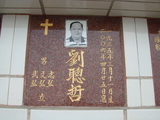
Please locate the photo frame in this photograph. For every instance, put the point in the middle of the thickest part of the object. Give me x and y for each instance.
(76, 33)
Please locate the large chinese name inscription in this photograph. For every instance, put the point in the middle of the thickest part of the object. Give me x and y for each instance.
(74, 76)
(154, 38)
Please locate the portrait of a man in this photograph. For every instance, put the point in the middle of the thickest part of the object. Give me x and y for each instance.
(76, 33)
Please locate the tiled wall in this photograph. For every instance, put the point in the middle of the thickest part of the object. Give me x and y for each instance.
(12, 62)
(140, 91)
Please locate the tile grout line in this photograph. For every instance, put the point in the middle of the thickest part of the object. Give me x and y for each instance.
(76, 108)
(28, 114)
(139, 77)
(12, 76)
(11, 57)
(125, 114)
(138, 59)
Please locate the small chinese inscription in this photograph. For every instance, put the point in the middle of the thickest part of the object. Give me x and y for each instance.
(42, 79)
(106, 58)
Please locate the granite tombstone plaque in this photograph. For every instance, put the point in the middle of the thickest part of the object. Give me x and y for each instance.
(90, 75)
(154, 38)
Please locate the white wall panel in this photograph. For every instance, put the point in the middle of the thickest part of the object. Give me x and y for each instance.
(16, 91)
(21, 11)
(133, 92)
(4, 82)
(143, 47)
(98, 12)
(6, 40)
(20, 3)
(143, 114)
(130, 46)
(148, 98)
(141, 6)
(78, 115)
(13, 114)
(19, 45)
(137, 13)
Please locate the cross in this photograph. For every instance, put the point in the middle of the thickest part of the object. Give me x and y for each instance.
(158, 32)
(46, 25)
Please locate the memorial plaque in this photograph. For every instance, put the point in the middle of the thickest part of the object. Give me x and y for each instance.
(75, 61)
(154, 38)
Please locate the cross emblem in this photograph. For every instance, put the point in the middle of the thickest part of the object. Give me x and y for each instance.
(46, 25)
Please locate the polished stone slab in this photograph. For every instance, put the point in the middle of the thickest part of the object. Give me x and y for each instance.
(56, 75)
